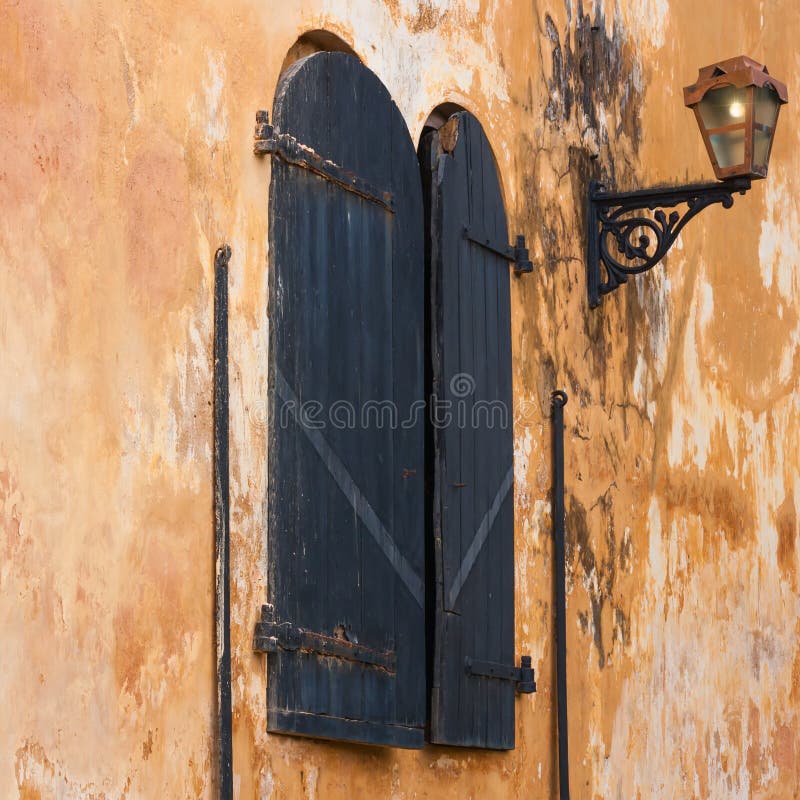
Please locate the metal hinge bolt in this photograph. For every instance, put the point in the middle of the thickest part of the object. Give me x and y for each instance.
(264, 130)
(526, 683)
(522, 261)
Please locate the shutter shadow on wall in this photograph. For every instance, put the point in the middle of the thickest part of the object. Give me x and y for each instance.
(473, 511)
(345, 624)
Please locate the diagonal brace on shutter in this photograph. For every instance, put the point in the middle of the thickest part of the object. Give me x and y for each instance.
(269, 142)
(270, 636)
(522, 676)
(476, 545)
(354, 495)
(517, 255)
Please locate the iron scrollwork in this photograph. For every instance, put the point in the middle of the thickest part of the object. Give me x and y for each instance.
(620, 227)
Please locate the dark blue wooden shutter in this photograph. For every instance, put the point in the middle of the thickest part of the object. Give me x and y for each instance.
(345, 625)
(473, 672)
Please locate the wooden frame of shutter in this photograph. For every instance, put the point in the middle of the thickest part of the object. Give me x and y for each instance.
(344, 630)
(473, 674)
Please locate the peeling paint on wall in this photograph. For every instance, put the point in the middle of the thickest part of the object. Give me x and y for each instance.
(126, 159)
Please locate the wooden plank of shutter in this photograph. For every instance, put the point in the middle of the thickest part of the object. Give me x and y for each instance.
(345, 537)
(473, 503)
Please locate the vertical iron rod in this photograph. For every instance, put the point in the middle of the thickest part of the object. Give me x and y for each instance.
(559, 400)
(222, 525)
(592, 249)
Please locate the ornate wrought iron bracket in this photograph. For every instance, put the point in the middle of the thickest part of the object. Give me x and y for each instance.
(620, 227)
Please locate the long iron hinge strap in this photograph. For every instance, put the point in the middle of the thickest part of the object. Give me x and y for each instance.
(270, 636)
(517, 255)
(291, 151)
(522, 676)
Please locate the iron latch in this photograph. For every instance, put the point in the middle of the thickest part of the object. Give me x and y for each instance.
(522, 676)
(516, 254)
(271, 636)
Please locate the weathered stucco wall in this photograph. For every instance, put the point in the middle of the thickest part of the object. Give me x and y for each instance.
(126, 159)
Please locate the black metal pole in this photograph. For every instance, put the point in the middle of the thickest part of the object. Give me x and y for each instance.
(221, 525)
(559, 400)
(593, 248)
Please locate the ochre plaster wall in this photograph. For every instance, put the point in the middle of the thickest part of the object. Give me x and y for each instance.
(126, 159)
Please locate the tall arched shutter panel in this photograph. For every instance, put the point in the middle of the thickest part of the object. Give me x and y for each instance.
(474, 677)
(344, 628)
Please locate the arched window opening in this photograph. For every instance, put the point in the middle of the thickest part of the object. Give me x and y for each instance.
(441, 114)
(316, 41)
(390, 507)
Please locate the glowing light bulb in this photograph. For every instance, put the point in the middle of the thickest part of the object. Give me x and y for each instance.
(737, 109)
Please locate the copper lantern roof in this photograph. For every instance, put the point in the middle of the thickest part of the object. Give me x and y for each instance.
(739, 72)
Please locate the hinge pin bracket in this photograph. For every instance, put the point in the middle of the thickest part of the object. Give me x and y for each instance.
(264, 131)
(522, 261)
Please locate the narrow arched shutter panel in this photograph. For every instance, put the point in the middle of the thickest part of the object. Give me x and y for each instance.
(472, 701)
(344, 628)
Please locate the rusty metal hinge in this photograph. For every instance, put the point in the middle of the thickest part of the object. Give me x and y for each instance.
(516, 254)
(271, 636)
(264, 131)
(522, 676)
(268, 141)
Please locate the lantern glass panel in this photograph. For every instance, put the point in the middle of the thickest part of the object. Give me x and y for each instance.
(728, 147)
(724, 106)
(761, 147)
(767, 103)
(766, 106)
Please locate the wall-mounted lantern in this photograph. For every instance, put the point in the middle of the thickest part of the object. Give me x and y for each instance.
(736, 103)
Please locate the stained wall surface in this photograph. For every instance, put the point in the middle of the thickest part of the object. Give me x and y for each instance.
(126, 160)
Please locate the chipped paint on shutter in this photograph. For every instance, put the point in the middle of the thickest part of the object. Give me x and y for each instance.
(345, 625)
(473, 498)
